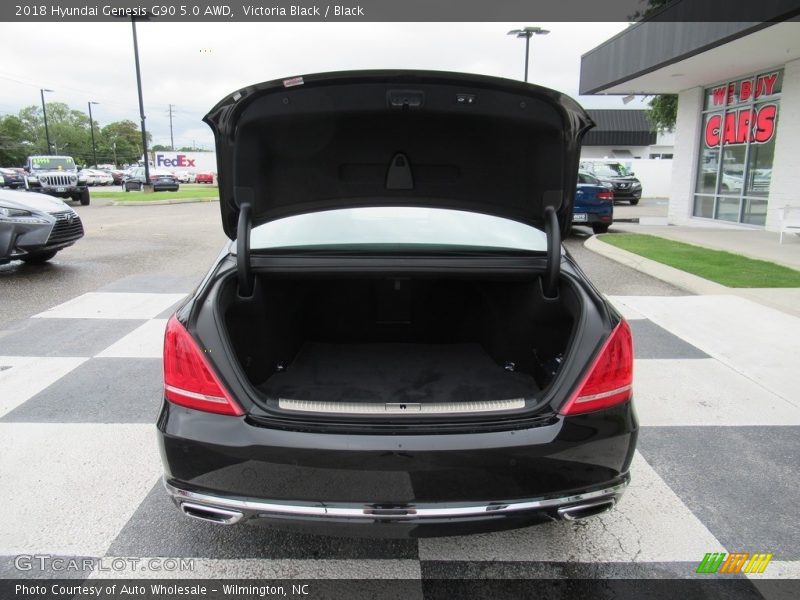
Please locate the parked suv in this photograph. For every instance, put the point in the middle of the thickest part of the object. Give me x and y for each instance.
(56, 176)
(625, 185)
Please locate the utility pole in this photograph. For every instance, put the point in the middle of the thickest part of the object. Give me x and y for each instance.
(44, 112)
(91, 125)
(171, 139)
(141, 107)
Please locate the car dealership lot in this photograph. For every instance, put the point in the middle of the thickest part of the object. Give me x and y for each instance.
(80, 344)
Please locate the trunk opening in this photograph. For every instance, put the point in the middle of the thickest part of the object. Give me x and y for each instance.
(398, 345)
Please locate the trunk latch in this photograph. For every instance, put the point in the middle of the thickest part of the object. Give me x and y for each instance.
(402, 407)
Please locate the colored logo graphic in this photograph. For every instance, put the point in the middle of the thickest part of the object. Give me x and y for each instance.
(737, 562)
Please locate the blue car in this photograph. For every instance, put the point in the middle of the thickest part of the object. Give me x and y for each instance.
(594, 203)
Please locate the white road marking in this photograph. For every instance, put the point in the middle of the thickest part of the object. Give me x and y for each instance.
(146, 341)
(650, 524)
(70, 488)
(708, 393)
(29, 375)
(626, 311)
(112, 305)
(761, 343)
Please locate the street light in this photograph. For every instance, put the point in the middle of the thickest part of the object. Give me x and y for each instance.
(527, 33)
(91, 125)
(141, 101)
(44, 112)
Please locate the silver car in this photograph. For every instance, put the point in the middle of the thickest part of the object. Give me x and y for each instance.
(34, 227)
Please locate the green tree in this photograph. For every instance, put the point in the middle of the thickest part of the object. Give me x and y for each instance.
(121, 142)
(68, 128)
(14, 145)
(663, 112)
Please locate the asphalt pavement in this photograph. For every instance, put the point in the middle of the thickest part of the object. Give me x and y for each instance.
(80, 387)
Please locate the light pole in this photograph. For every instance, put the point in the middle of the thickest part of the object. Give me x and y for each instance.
(527, 33)
(91, 126)
(141, 105)
(44, 112)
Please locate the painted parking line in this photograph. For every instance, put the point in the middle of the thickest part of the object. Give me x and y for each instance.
(759, 342)
(70, 488)
(26, 376)
(112, 305)
(710, 393)
(146, 341)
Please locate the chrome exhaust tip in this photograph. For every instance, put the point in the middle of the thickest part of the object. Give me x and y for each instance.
(587, 509)
(213, 514)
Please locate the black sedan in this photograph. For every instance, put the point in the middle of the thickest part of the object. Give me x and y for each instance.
(162, 181)
(395, 342)
(12, 178)
(34, 227)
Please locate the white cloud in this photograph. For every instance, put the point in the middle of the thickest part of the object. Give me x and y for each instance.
(193, 65)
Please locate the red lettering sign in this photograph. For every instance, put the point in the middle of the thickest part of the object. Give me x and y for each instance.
(765, 123)
(712, 130)
(753, 125)
(766, 83)
(719, 96)
(745, 90)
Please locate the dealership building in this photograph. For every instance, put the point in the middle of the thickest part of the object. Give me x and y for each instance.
(737, 136)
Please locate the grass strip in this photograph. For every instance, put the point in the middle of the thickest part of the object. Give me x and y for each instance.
(731, 270)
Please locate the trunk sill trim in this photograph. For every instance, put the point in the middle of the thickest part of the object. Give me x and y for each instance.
(402, 512)
(400, 408)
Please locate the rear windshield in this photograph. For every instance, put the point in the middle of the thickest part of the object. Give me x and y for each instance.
(610, 170)
(52, 163)
(372, 227)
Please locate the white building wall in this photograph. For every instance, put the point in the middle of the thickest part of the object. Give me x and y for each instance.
(688, 127)
(785, 185)
(608, 151)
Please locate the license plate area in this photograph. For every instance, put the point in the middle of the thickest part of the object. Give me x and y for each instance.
(579, 217)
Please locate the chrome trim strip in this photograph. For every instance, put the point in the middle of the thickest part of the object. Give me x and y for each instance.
(399, 408)
(257, 508)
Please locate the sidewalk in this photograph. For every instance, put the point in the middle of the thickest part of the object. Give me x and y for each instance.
(757, 244)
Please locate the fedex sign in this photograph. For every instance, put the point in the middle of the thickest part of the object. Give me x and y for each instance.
(181, 160)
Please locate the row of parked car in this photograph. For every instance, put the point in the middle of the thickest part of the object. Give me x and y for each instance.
(600, 184)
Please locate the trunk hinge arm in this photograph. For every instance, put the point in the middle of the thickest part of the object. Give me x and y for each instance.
(244, 270)
(553, 231)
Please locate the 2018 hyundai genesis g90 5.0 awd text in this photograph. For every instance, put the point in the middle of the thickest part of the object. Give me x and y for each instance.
(394, 342)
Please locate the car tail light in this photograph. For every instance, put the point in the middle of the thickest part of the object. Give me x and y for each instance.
(610, 378)
(188, 378)
(606, 196)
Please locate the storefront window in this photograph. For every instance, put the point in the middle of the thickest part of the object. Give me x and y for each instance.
(734, 170)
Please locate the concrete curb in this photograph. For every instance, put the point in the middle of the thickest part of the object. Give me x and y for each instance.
(158, 202)
(671, 275)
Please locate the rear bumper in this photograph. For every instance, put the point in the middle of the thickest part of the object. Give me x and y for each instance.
(627, 194)
(411, 520)
(409, 485)
(594, 218)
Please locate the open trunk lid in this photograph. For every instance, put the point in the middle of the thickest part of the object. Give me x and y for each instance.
(396, 138)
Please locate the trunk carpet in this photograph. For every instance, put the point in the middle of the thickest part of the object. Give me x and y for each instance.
(397, 373)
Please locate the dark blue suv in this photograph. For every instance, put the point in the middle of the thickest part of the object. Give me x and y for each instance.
(594, 203)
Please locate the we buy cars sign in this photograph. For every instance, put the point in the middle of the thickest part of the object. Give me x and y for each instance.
(186, 161)
(755, 124)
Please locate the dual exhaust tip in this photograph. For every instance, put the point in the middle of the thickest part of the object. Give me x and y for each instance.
(227, 516)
